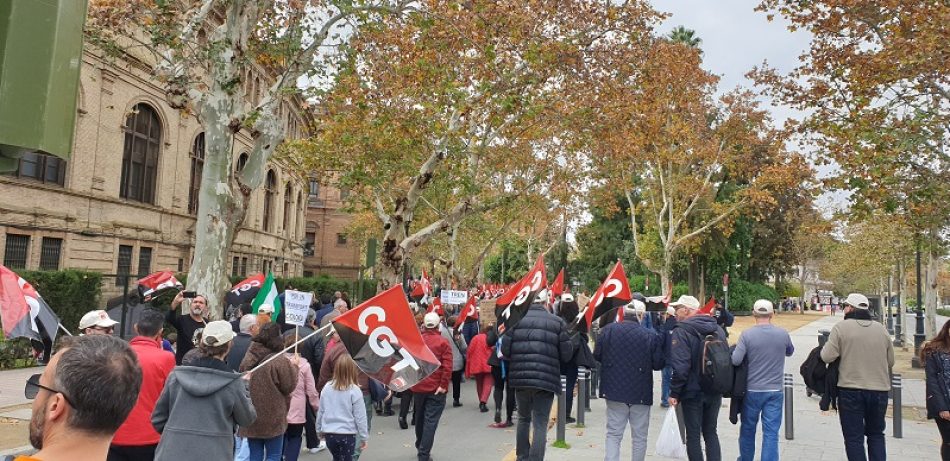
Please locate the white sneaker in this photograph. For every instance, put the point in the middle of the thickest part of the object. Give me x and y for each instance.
(319, 448)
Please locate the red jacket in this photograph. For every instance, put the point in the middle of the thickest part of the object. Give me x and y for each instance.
(156, 364)
(478, 354)
(442, 351)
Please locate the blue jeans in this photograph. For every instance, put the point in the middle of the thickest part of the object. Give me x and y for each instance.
(665, 392)
(274, 447)
(861, 413)
(769, 406)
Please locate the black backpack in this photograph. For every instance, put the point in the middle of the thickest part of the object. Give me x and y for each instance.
(716, 374)
(814, 371)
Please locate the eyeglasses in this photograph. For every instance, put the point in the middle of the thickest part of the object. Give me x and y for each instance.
(33, 387)
(107, 330)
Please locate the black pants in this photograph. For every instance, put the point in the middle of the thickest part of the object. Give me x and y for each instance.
(570, 372)
(944, 427)
(502, 388)
(457, 385)
(701, 414)
(862, 422)
(341, 446)
(131, 452)
(313, 440)
(427, 413)
(405, 401)
(534, 410)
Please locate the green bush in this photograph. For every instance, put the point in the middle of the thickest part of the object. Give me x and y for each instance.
(320, 284)
(70, 293)
(742, 294)
(16, 353)
(638, 284)
(943, 312)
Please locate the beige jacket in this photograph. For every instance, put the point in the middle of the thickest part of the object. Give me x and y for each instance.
(866, 353)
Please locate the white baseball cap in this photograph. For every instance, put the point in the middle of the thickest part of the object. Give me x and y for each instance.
(670, 310)
(686, 301)
(638, 306)
(217, 333)
(265, 309)
(567, 298)
(99, 318)
(858, 301)
(542, 296)
(431, 320)
(763, 307)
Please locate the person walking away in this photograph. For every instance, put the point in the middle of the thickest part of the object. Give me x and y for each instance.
(700, 405)
(81, 398)
(477, 368)
(186, 325)
(136, 439)
(765, 347)
(536, 348)
(429, 394)
(936, 355)
(335, 351)
(628, 353)
(499, 372)
(342, 418)
(866, 356)
(242, 341)
(202, 403)
(567, 310)
(312, 350)
(270, 388)
(459, 348)
(724, 318)
(666, 329)
(303, 397)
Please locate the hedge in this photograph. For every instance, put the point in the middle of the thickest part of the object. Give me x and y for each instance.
(742, 294)
(638, 284)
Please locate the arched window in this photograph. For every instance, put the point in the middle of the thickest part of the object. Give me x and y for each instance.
(143, 141)
(288, 206)
(241, 162)
(270, 189)
(197, 166)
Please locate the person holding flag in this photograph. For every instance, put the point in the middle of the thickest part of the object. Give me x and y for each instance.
(536, 346)
(268, 296)
(187, 324)
(459, 347)
(477, 368)
(429, 394)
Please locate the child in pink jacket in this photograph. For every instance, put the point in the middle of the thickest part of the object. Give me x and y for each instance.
(306, 391)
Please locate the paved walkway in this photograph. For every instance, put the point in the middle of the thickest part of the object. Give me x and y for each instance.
(12, 383)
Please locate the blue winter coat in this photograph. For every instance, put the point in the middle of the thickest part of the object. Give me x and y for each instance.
(686, 354)
(628, 353)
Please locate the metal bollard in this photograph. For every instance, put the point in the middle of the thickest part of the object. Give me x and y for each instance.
(789, 408)
(823, 335)
(582, 402)
(562, 411)
(897, 409)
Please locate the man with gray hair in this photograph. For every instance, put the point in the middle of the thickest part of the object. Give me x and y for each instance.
(765, 347)
(627, 352)
(247, 328)
(82, 397)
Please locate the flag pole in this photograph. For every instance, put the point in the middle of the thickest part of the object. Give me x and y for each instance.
(294, 346)
(61, 327)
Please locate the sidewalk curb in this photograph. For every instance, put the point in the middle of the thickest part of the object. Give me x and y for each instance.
(24, 450)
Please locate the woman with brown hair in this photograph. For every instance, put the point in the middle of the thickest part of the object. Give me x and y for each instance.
(270, 387)
(936, 354)
(342, 414)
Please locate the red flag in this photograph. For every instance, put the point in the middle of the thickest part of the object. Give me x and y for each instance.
(614, 292)
(152, 284)
(436, 307)
(245, 291)
(470, 311)
(382, 337)
(708, 308)
(23, 312)
(423, 288)
(511, 306)
(557, 288)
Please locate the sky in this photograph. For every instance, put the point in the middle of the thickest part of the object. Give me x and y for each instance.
(736, 38)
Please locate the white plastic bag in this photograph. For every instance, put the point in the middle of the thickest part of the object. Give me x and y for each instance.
(670, 445)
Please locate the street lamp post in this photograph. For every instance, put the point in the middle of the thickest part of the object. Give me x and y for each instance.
(899, 324)
(919, 334)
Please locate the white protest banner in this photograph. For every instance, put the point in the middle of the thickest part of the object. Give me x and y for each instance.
(296, 303)
(453, 297)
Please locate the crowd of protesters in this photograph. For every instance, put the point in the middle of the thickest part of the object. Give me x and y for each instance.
(233, 390)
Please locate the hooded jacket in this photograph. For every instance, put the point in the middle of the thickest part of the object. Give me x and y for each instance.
(198, 411)
(156, 365)
(686, 354)
(535, 349)
(459, 348)
(478, 356)
(271, 387)
(443, 352)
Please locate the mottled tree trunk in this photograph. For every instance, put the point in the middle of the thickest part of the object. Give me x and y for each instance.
(931, 293)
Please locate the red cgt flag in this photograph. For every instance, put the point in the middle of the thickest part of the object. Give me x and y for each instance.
(613, 293)
(153, 284)
(470, 311)
(708, 308)
(382, 337)
(511, 306)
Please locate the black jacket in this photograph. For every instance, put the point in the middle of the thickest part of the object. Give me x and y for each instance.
(739, 388)
(686, 354)
(535, 349)
(937, 392)
(628, 353)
